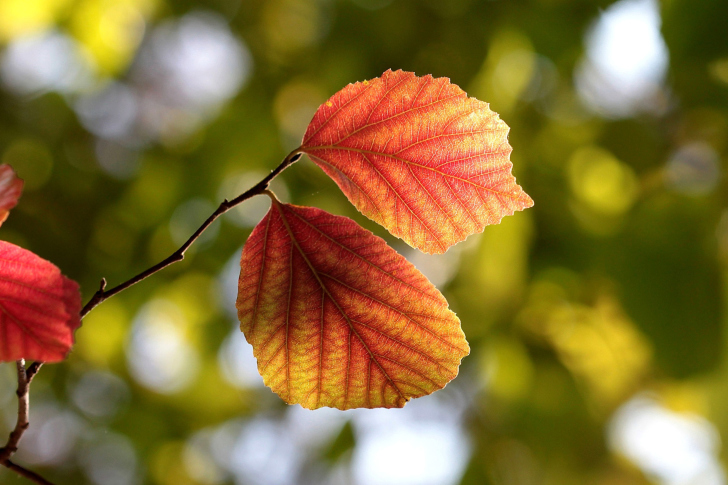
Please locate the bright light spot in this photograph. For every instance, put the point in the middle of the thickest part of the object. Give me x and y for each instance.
(441, 268)
(228, 282)
(235, 357)
(627, 44)
(309, 430)
(514, 72)
(109, 459)
(199, 460)
(438, 268)
(422, 444)
(117, 159)
(99, 394)
(602, 182)
(262, 450)
(509, 71)
(626, 60)
(237, 363)
(23, 17)
(105, 331)
(416, 453)
(259, 453)
(110, 112)
(675, 449)
(507, 368)
(110, 32)
(694, 169)
(183, 73)
(158, 356)
(186, 71)
(48, 61)
(53, 436)
(197, 61)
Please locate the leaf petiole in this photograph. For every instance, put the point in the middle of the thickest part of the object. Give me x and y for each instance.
(25, 376)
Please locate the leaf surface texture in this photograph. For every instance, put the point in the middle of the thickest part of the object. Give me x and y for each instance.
(39, 307)
(418, 156)
(338, 318)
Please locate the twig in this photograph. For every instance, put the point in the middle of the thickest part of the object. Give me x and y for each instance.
(24, 472)
(23, 406)
(25, 376)
(103, 294)
(32, 370)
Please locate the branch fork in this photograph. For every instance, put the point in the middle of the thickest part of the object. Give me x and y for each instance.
(26, 375)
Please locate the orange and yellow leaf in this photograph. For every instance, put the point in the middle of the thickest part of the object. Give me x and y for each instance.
(418, 156)
(337, 318)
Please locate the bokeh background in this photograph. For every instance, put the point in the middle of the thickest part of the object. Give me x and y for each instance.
(596, 319)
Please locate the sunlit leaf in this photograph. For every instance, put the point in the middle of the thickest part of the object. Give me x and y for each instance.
(39, 307)
(11, 186)
(338, 318)
(418, 156)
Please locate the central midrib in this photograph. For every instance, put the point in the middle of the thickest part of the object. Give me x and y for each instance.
(331, 297)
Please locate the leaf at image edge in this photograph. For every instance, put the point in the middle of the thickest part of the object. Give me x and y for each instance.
(11, 187)
(39, 307)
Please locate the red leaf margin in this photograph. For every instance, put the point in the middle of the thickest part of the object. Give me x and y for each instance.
(39, 307)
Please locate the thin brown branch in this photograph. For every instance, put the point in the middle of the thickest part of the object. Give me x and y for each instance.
(103, 294)
(24, 472)
(25, 376)
(32, 370)
(23, 407)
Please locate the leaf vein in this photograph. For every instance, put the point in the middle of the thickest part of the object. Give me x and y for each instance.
(405, 314)
(362, 258)
(333, 300)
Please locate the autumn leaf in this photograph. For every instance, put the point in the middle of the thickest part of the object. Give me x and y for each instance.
(418, 156)
(338, 318)
(11, 186)
(39, 307)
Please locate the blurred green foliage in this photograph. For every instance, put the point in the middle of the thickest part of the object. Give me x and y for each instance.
(613, 285)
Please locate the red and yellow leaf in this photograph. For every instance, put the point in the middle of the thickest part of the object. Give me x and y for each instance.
(39, 307)
(338, 318)
(11, 186)
(418, 156)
